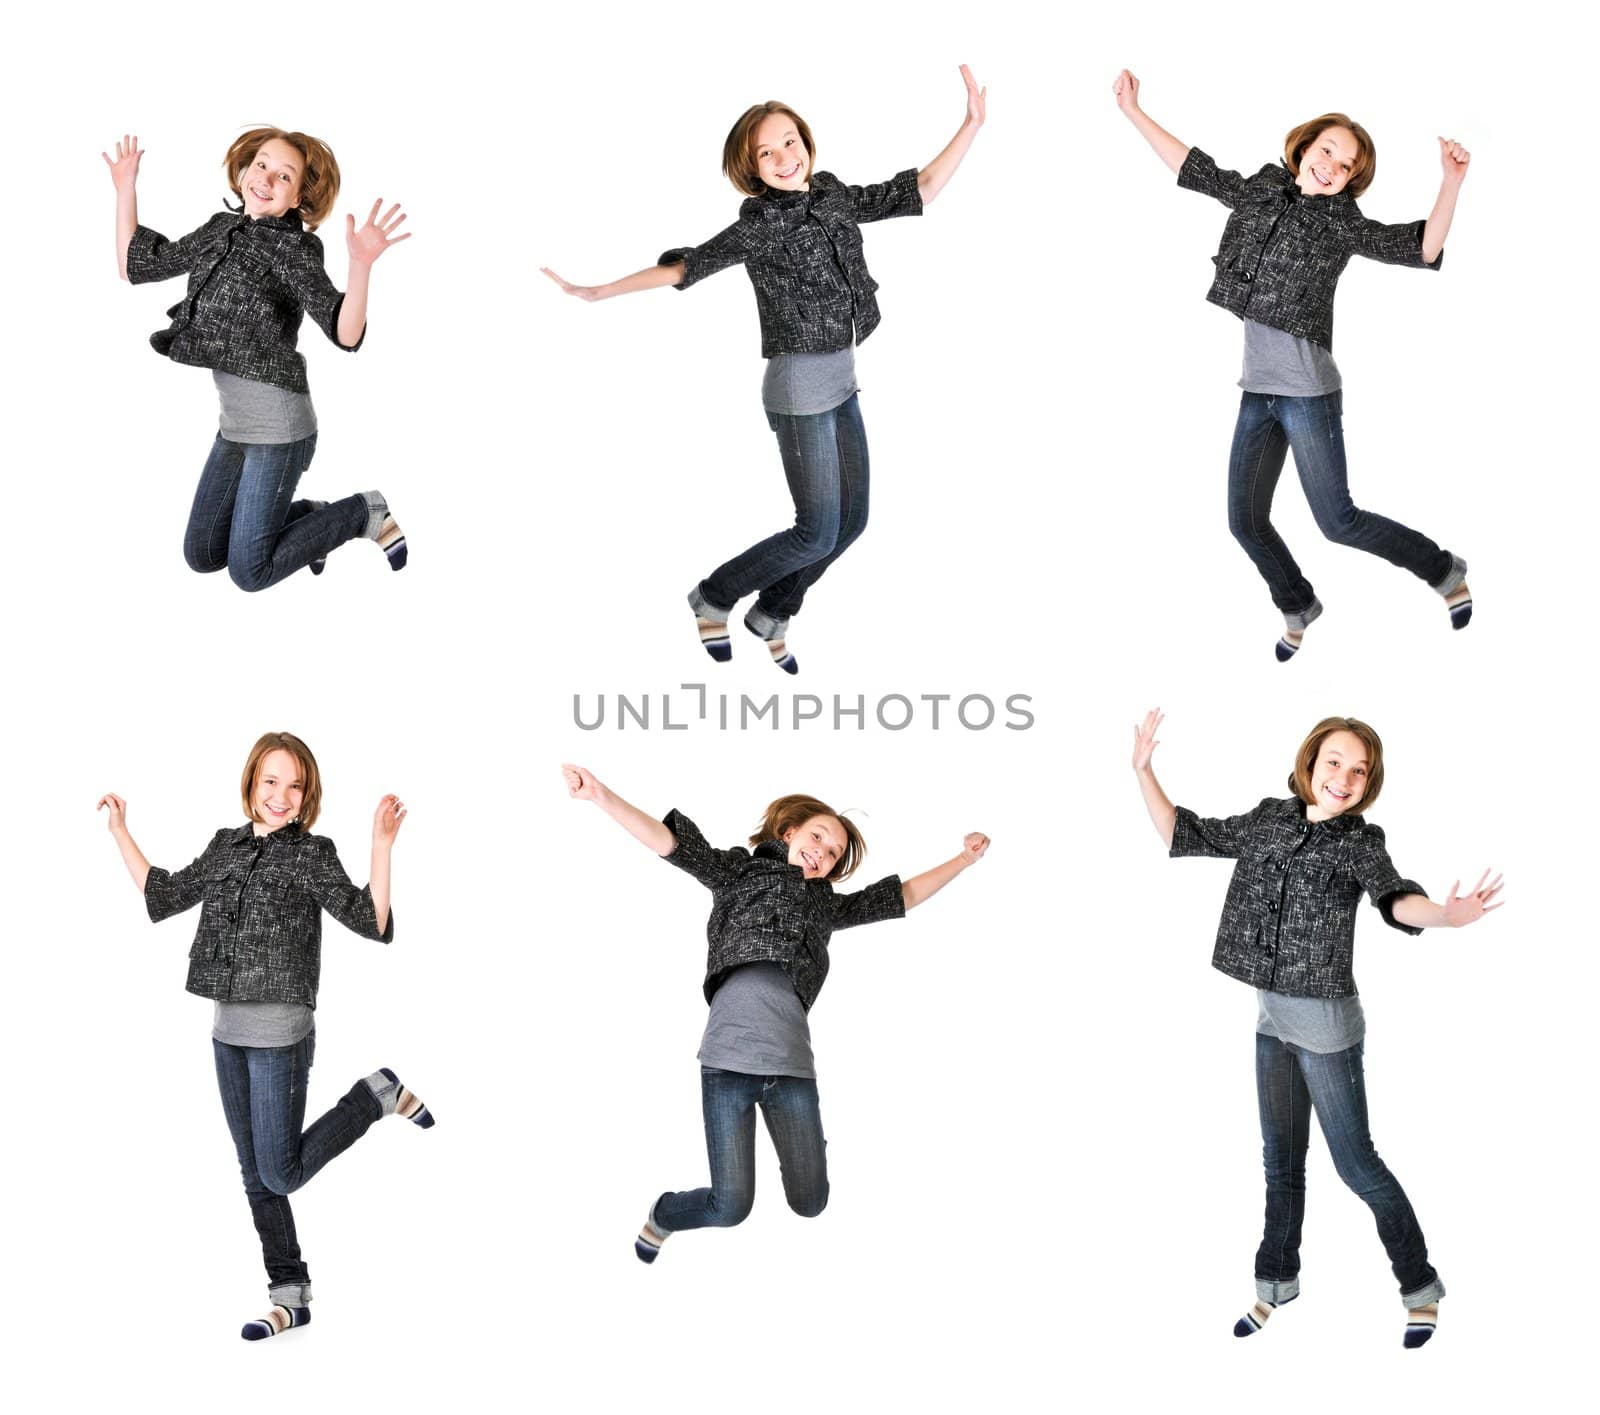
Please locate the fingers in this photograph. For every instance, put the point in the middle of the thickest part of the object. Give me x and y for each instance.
(372, 215)
(1450, 898)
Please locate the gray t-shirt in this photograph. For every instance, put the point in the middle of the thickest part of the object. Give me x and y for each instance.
(260, 413)
(1320, 1024)
(1275, 362)
(262, 1024)
(803, 384)
(757, 1025)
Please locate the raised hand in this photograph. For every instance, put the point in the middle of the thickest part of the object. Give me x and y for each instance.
(117, 809)
(1126, 89)
(1144, 738)
(581, 784)
(1468, 908)
(125, 166)
(583, 292)
(976, 98)
(1453, 158)
(387, 820)
(371, 240)
(973, 847)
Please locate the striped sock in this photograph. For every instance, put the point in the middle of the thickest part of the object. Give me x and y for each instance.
(772, 633)
(405, 1104)
(1294, 630)
(1457, 597)
(650, 1239)
(381, 527)
(714, 637)
(1421, 1323)
(1256, 1317)
(277, 1321)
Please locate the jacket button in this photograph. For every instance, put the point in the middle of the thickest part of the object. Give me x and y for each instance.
(230, 918)
(1247, 277)
(1272, 907)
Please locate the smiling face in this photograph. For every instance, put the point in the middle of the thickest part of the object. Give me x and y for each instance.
(270, 182)
(280, 788)
(1328, 162)
(1339, 776)
(815, 845)
(782, 161)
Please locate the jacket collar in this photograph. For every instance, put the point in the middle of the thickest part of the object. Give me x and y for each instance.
(1294, 809)
(246, 832)
(290, 221)
(1340, 206)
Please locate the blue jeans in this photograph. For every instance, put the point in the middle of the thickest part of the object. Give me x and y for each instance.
(825, 462)
(1291, 1083)
(729, 1099)
(245, 517)
(264, 1099)
(1269, 425)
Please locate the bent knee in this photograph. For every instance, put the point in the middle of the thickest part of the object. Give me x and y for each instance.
(729, 1211)
(250, 578)
(199, 559)
(1342, 526)
(809, 1205)
(279, 1182)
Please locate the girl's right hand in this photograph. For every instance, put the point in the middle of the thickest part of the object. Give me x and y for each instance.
(583, 292)
(117, 810)
(1126, 89)
(1144, 739)
(125, 169)
(581, 783)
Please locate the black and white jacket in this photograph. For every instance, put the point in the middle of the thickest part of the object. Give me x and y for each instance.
(1282, 252)
(250, 281)
(1289, 922)
(764, 910)
(261, 899)
(803, 253)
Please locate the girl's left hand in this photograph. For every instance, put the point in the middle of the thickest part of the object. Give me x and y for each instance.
(387, 820)
(1472, 906)
(976, 98)
(590, 293)
(1453, 158)
(973, 847)
(374, 238)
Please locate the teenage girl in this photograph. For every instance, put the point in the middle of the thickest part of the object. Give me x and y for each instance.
(1294, 227)
(253, 272)
(799, 240)
(773, 911)
(262, 887)
(1288, 929)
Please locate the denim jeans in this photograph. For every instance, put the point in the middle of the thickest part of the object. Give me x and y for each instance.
(790, 1107)
(264, 1100)
(825, 462)
(244, 516)
(1269, 425)
(1291, 1083)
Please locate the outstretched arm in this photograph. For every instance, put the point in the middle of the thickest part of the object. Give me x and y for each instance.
(932, 178)
(652, 277)
(386, 823)
(132, 855)
(926, 885)
(1168, 148)
(365, 246)
(583, 785)
(1163, 814)
(1453, 158)
(1457, 911)
(125, 177)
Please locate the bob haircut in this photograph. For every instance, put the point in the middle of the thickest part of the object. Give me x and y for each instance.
(310, 777)
(1300, 777)
(738, 155)
(319, 182)
(788, 812)
(1362, 170)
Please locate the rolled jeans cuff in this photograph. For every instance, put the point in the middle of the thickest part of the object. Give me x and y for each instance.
(1455, 579)
(384, 1091)
(764, 625)
(1277, 1293)
(290, 1294)
(706, 610)
(1423, 1296)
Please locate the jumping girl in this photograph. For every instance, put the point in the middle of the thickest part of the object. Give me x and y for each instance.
(253, 272)
(773, 911)
(1288, 930)
(1294, 227)
(798, 236)
(262, 887)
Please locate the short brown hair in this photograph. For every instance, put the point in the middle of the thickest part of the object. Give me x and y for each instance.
(739, 162)
(1362, 170)
(791, 811)
(1300, 777)
(310, 777)
(319, 183)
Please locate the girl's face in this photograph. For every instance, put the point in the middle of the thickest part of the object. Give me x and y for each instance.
(279, 790)
(1338, 776)
(816, 845)
(1326, 164)
(270, 182)
(781, 157)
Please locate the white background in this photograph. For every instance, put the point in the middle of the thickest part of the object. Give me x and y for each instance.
(1038, 1095)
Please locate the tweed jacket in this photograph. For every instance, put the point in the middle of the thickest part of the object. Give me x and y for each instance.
(764, 910)
(803, 253)
(1282, 252)
(261, 899)
(1289, 923)
(249, 284)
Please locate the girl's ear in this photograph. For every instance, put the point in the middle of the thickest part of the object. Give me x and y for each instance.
(788, 834)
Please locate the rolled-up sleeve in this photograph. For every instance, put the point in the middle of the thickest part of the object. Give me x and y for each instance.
(327, 883)
(1394, 244)
(1200, 174)
(712, 867)
(303, 270)
(1221, 838)
(880, 900)
(151, 256)
(899, 196)
(1378, 878)
(169, 892)
(748, 237)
